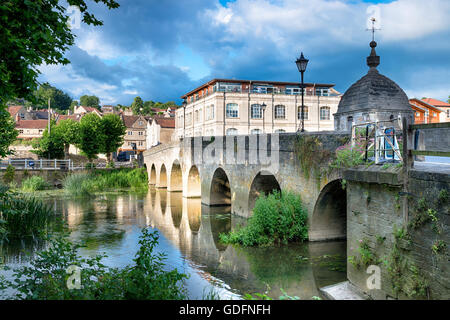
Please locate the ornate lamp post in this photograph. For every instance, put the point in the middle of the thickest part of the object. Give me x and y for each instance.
(263, 107)
(184, 118)
(301, 65)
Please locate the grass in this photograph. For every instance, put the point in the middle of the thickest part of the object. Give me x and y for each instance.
(35, 183)
(23, 216)
(277, 218)
(83, 184)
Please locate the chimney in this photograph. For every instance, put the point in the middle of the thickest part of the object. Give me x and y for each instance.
(17, 117)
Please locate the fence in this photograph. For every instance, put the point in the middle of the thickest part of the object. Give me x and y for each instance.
(40, 164)
(390, 141)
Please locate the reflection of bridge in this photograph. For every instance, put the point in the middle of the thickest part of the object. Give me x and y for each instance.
(194, 229)
(243, 167)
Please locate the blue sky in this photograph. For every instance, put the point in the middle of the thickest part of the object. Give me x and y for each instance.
(160, 49)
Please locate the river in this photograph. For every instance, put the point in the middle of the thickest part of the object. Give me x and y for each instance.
(111, 223)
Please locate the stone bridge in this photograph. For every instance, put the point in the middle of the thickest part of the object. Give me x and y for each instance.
(234, 171)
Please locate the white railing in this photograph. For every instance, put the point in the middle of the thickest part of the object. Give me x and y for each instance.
(41, 164)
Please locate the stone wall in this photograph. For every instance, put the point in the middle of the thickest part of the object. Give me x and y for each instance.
(410, 249)
(54, 177)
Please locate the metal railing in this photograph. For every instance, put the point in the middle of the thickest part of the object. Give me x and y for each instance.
(40, 164)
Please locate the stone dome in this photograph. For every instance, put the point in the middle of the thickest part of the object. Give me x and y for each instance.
(374, 92)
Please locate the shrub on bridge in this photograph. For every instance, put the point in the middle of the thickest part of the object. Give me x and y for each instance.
(277, 218)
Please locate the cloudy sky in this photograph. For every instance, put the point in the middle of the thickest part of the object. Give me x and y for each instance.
(160, 49)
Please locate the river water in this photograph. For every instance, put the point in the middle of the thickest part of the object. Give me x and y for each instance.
(189, 233)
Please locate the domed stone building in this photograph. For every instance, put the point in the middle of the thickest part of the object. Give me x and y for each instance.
(372, 98)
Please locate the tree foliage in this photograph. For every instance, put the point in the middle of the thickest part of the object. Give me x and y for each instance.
(8, 132)
(113, 131)
(68, 131)
(90, 135)
(51, 144)
(34, 33)
(137, 106)
(90, 101)
(58, 98)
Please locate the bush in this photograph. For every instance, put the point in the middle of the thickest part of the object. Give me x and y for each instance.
(23, 216)
(77, 184)
(35, 183)
(46, 278)
(277, 218)
(8, 177)
(347, 157)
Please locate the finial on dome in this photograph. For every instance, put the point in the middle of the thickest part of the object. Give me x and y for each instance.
(373, 60)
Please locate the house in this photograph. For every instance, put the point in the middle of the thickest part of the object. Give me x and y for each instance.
(229, 107)
(169, 112)
(424, 112)
(74, 117)
(441, 105)
(30, 129)
(135, 134)
(84, 110)
(19, 112)
(107, 109)
(159, 130)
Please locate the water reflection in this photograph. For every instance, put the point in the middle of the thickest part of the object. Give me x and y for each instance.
(190, 238)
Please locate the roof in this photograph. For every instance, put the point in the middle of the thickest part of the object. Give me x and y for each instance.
(13, 110)
(74, 117)
(32, 124)
(165, 122)
(374, 91)
(90, 109)
(436, 103)
(281, 83)
(129, 121)
(422, 104)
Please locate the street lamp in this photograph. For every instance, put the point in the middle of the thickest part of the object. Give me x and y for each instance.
(263, 107)
(301, 65)
(184, 118)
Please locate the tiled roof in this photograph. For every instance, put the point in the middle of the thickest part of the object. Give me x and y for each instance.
(165, 122)
(130, 120)
(74, 117)
(436, 103)
(423, 104)
(13, 110)
(32, 124)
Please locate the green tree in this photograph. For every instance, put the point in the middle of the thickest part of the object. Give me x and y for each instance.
(51, 145)
(448, 101)
(58, 99)
(90, 101)
(34, 33)
(137, 106)
(91, 136)
(113, 131)
(8, 132)
(69, 131)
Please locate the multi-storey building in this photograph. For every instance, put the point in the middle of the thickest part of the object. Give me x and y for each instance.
(135, 134)
(424, 112)
(441, 105)
(229, 107)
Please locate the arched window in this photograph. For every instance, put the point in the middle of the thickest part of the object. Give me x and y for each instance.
(305, 113)
(256, 111)
(324, 113)
(232, 132)
(280, 112)
(232, 110)
(448, 113)
(256, 131)
(280, 131)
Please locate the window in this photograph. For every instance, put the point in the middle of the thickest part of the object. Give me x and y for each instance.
(40, 131)
(141, 122)
(256, 131)
(141, 143)
(256, 111)
(232, 132)
(417, 114)
(130, 133)
(280, 131)
(209, 112)
(232, 110)
(448, 113)
(280, 112)
(197, 117)
(189, 119)
(21, 131)
(324, 113)
(305, 113)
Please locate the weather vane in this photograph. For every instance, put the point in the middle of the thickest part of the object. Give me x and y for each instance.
(373, 29)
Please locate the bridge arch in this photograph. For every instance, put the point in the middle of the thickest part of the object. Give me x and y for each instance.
(194, 185)
(176, 178)
(176, 208)
(220, 192)
(152, 175)
(194, 212)
(162, 177)
(263, 183)
(329, 218)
